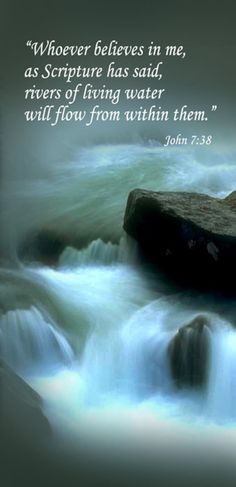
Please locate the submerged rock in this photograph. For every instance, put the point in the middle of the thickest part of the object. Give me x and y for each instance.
(191, 236)
(188, 353)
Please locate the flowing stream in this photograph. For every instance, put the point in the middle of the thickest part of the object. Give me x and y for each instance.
(91, 334)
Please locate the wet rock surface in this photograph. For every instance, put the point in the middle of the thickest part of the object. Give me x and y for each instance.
(190, 236)
(188, 353)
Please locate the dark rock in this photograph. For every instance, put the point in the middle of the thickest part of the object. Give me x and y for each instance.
(44, 246)
(21, 416)
(188, 353)
(231, 199)
(26, 437)
(189, 235)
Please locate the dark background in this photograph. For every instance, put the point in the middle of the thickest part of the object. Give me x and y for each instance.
(206, 76)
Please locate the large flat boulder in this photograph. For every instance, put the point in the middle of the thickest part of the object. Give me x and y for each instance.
(191, 236)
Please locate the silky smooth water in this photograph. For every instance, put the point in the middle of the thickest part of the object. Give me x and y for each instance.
(92, 334)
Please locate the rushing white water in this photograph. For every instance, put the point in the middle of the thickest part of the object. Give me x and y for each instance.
(29, 341)
(221, 394)
(98, 302)
(98, 252)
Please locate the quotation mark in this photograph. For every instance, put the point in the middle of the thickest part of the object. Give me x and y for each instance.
(214, 108)
(29, 43)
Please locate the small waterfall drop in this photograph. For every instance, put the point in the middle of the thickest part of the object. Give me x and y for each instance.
(29, 342)
(221, 392)
(98, 252)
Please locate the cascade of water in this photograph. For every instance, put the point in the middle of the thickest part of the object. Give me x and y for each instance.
(221, 391)
(118, 322)
(29, 342)
(98, 252)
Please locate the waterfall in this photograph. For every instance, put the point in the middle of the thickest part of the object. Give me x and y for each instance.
(120, 327)
(98, 252)
(29, 342)
(221, 392)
